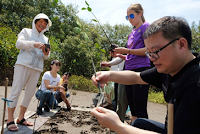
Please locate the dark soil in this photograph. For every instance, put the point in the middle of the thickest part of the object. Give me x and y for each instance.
(80, 122)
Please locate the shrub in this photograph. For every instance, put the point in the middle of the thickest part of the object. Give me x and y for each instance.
(82, 83)
(156, 96)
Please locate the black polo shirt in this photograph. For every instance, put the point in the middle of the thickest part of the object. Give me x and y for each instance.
(183, 90)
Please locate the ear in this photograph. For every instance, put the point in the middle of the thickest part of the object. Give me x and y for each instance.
(145, 42)
(183, 44)
(140, 14)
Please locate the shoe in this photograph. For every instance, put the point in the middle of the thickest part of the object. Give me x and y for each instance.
(22, 122)
(39, 111)
(12, 126)
(68, 108)
(46, 108)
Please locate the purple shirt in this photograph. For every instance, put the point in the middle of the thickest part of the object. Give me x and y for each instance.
(135, 41)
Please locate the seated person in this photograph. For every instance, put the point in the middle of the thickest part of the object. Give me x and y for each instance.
(45, 93)
(62, 95)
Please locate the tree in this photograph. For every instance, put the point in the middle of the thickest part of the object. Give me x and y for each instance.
(195, 37)
(8, 52)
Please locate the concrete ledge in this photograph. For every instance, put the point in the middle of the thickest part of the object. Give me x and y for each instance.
(39, 121)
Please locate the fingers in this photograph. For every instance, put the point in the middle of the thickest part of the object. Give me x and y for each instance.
(121, 50)
(44, 51)
(102, 110)
(39, 45)
(103, 64)
(98, 112)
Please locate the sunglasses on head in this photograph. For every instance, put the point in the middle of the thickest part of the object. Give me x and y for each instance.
(131, 16)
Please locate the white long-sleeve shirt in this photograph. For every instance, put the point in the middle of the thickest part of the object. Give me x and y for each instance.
(30, 56)
(117, 64)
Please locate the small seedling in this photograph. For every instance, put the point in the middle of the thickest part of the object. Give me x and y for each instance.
(95, 20)
(74, 93)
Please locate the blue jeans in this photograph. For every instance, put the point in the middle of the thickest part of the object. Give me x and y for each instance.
(150, 125)
(58, 96)
(46, 96)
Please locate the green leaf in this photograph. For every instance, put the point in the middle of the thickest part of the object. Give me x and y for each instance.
(51, 17)
(94, 20)
(87, 29)
(77, 30)
(83, 45)
(78, 23)
(55, 18)
(97, 45)
(102, 50)
(83, 8)
(53, 5)
(86, 37)
(55, 2)
(74, 61)
(86, 3)
(89, 9)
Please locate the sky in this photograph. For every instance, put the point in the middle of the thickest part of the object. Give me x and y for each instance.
(114, 11)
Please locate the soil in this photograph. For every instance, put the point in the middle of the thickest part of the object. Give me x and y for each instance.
(76, 121)
(81, 121)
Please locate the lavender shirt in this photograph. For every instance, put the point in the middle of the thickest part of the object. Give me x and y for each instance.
(135, 41)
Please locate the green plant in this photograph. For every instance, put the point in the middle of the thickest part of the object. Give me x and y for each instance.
(82, 83)
(95, 20)
(156, 97)
(110, 89)
(74, 93)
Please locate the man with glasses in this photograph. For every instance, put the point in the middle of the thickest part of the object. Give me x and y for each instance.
(176, 71)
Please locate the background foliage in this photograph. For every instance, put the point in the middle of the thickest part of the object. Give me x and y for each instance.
(67, 45)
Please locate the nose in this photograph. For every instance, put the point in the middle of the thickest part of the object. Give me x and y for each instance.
(44, 24)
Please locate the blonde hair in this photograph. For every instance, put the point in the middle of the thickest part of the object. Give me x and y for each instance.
(138, 9)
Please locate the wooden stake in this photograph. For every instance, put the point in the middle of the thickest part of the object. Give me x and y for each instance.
(4, 109)
(170, 123)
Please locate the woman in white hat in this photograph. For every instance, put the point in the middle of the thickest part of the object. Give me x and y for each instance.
(28, 67)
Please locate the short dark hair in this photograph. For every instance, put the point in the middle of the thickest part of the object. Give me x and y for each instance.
(39, 19)
(66, 73)
(113, 46)
(171, 27)
(54, 62)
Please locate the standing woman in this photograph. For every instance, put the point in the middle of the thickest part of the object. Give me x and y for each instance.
(28, 67)
(136, 60)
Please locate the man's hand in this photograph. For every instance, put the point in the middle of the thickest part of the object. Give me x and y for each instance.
(106, 117)
(102, 77)
(105, 64)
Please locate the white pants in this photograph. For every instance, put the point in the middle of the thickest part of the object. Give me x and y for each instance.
(23, 76)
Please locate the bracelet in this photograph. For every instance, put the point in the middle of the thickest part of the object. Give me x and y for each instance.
(128, 51)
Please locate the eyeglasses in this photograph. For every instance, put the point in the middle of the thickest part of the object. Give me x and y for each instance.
(58, 64)
(131, 16)
(155, 54)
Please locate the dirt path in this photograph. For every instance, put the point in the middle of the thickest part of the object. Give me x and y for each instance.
(156, 112)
